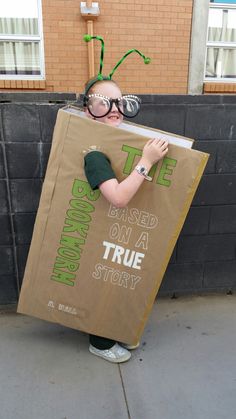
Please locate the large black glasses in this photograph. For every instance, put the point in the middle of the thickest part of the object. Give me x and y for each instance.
(99, 105)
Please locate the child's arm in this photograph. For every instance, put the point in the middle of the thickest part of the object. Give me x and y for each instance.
(119, 194)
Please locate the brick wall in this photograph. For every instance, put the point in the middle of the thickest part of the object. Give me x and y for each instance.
(204, 258)
(161, 29)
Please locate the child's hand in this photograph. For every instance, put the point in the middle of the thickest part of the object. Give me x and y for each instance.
(154, 150)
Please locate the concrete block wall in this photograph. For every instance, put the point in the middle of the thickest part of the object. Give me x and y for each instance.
(26, 126)
(204, 258)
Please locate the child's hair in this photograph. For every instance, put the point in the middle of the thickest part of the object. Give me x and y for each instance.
(90, 86)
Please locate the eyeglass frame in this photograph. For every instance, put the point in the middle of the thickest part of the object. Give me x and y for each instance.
(111, 101)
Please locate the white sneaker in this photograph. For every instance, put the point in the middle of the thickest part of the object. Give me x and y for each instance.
(115, 354)
(130, 347)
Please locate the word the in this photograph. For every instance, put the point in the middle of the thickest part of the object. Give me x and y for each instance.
(166, 166)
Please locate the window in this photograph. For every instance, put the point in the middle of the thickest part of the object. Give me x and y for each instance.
(21, 40)
(221, 42)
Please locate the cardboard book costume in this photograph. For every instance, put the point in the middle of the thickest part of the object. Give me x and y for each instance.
(92, 266)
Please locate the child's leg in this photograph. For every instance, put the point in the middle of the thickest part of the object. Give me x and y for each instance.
(108, 349)
(100, 342)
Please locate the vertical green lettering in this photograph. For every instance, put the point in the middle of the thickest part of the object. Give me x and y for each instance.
(165, 170)
(71, 242)
(75, 226)
(81, 205)
(132, 153)
(152, 171)
(62, 263)
(68, 253)
(81, 188)
(63, 277)
(79, 216)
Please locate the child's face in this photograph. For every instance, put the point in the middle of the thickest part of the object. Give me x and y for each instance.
(109, 89)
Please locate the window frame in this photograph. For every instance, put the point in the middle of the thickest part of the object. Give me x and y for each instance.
(27, 38)
(225, 45)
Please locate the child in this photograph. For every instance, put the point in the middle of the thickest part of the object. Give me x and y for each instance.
(103, 102)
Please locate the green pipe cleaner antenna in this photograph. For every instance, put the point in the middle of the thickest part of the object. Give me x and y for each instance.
(88, 38)
(146, 60)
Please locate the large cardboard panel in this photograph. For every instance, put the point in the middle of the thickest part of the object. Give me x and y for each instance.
(92, 266)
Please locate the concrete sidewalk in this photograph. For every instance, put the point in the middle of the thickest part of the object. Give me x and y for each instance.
(185, 367)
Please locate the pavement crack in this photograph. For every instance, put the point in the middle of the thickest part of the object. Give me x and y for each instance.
(124, 392)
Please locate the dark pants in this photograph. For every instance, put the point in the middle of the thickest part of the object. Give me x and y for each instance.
(101, 343)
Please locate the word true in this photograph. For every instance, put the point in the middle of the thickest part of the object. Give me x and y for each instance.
(119, 254)
(120, 278)
(166, 165)
(76, 222)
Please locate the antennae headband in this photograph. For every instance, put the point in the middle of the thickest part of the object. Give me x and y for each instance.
(145, 59)
(88, 38)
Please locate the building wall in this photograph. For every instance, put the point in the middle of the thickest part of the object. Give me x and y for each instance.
(160, 29)
(204, 258)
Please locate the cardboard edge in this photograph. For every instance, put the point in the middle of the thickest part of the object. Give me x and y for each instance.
(30, 269)
(191, 140)
(172, 242)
